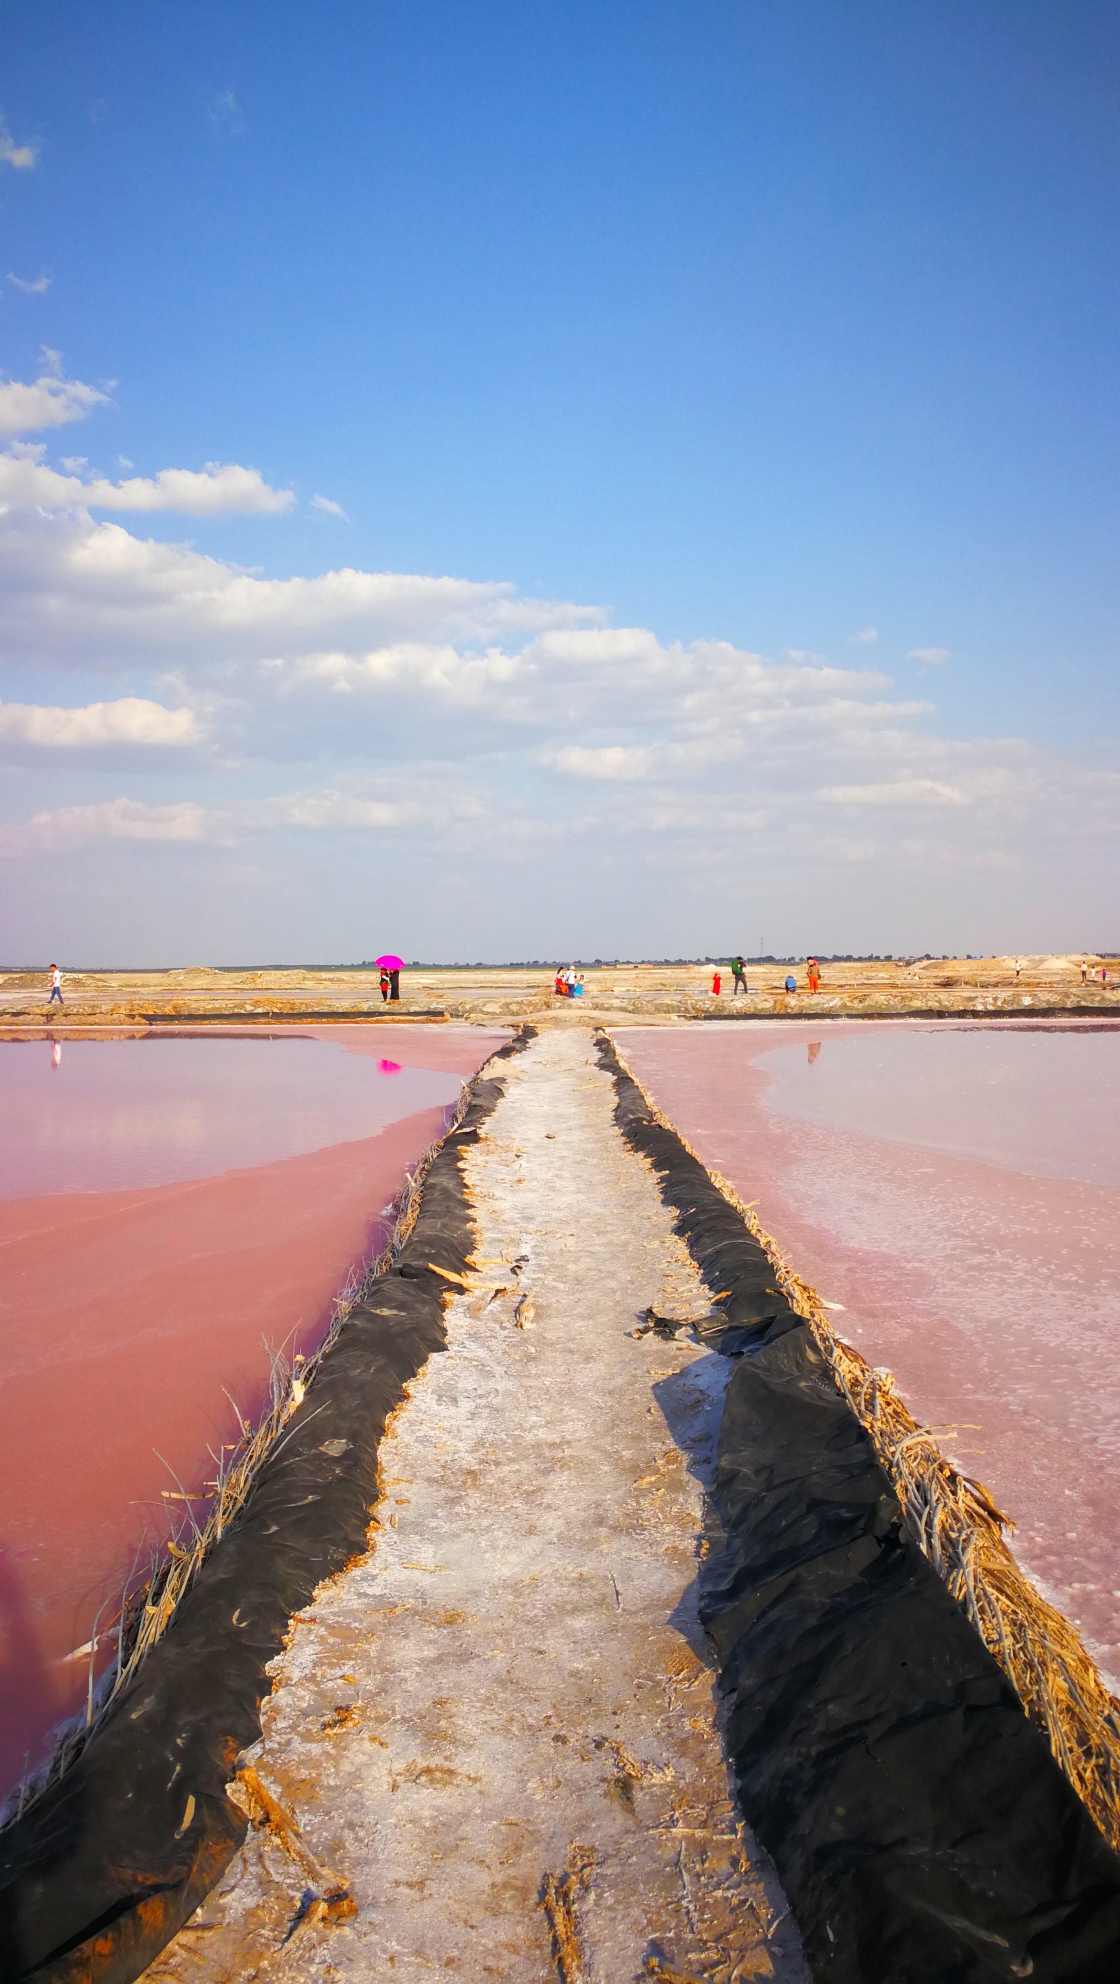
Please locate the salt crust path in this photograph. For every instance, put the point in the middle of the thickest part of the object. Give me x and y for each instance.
(513, 1684)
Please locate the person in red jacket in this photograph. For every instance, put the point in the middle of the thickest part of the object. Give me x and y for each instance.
(716, 982)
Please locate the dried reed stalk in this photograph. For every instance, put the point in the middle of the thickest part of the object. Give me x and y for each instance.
(147, 1611)
(558, 1898)
(958, 1527)
(265, 1810)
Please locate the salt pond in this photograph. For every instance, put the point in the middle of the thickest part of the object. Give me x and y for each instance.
(166, 1205)
(955, 1191)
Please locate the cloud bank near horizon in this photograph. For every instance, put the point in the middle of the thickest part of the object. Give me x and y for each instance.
(178, 708)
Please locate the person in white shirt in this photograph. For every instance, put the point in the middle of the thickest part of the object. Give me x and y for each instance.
(56, 986)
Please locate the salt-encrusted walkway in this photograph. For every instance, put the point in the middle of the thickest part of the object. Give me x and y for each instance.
(499, 1727)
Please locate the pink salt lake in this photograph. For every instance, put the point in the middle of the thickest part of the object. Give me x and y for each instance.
(165, 1205)
(955, 1191)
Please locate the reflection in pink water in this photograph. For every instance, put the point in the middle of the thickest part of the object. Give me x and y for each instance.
(139, 1278)
(1044, 1101)
(957, 1193)
(119, 1113)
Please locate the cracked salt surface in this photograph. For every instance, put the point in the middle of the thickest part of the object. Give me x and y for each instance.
(509, 1699)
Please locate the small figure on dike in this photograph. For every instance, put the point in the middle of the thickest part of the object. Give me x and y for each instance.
(791, 982)
(384, 985)
(814, 975)
(395, 984)
(560, 989)
(56, 986)
(1084, 972)
(739, 974)
(716, 983)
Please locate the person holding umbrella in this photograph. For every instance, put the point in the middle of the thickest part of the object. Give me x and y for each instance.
(394, 966)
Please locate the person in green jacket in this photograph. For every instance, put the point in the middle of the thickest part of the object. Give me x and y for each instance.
(739, 974)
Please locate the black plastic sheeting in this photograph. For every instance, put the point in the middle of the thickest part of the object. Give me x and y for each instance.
(920, 1826)
(102, 1871)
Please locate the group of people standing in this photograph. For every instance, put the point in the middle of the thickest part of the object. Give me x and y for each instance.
(739, 976)
(569, 984)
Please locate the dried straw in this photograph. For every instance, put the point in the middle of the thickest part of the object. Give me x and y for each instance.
(146, 1611)
(558, 1897)
(958, 1527)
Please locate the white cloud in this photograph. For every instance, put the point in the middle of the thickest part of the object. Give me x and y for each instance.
(625, 762)
(49, 401)
(26, 482)
(21, 156)
(332, 508)
(225, 112)
(933, 656)
(601, 647)
(129, 720)
(92, 595)
(628, 764)
(865, 638)
(39, 287)
(897, 792)
(442, 713)
(327, 810)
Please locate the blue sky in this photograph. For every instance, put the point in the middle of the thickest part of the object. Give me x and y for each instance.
(784, 335)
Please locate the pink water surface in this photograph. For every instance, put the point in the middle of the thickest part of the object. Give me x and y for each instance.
(164, 1206)
(956, 1193)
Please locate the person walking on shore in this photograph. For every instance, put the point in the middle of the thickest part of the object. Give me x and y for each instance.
(56, 986)
(739, 974)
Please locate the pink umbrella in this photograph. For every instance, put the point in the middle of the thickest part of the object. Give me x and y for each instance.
(389, 963)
